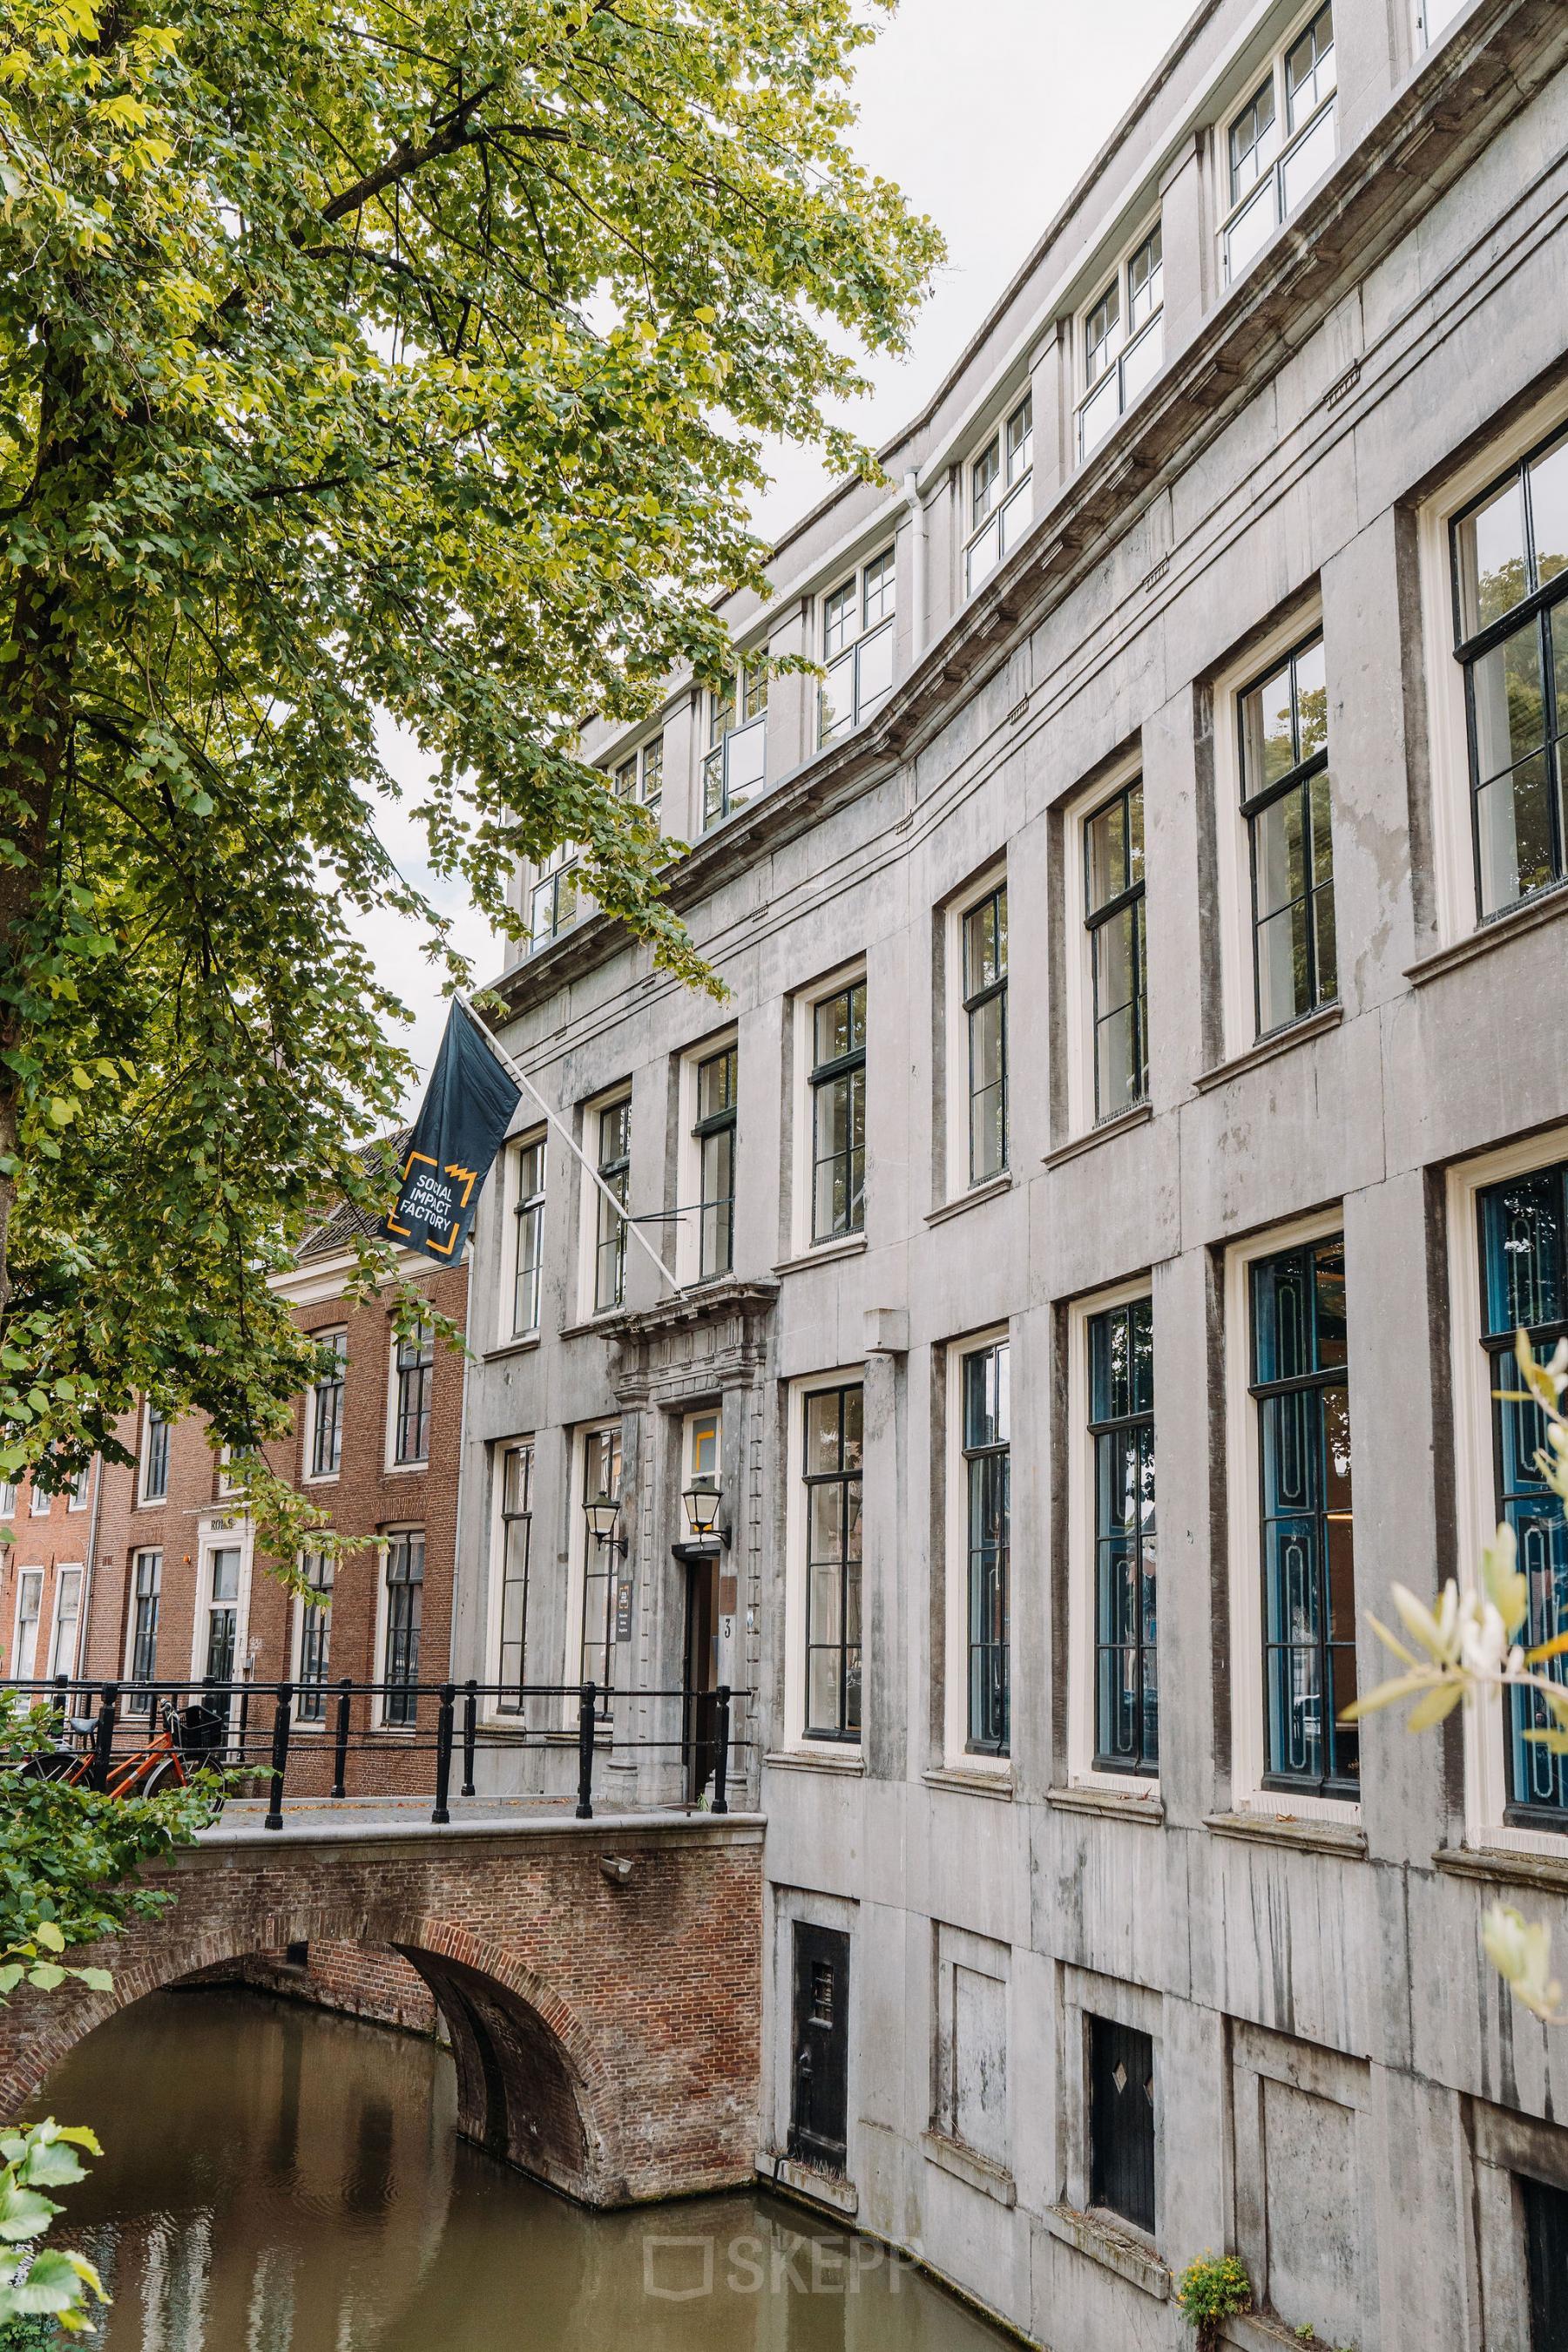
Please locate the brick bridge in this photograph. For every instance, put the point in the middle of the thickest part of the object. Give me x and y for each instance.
(605, 2020)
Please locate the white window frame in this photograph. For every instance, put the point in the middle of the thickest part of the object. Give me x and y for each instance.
(1247, 1748)
(128, 1673)
(1291, 139)
(313, 1724)
(956, 1179)
(385, 1538)
(850, 652)
(63, 1569)
(688, 1157)
(1448, 14)
(629, 776)
(391, 1466)
(1232, 845)
(1129, 355)
(1486, 1770)
(826, 1752)
(957, 1756)
(1453, 845)
(562, 862)
(747, 702)
(491, 1707)
(142, 1497)
(39, 1501)
(578, 1541)
(324, 1477)
(78, 1495)
(1081, 1564)
(806, 1002)
(1014, 495)
(590, 1198)
(1078, 970)
(215, 1535)
(26, 1577)
(8, 1490)
(508, 1332)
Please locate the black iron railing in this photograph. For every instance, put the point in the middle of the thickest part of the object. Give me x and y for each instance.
(249, 1727)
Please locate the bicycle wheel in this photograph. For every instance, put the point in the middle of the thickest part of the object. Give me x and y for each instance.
(166, 1774)
(60, 1766)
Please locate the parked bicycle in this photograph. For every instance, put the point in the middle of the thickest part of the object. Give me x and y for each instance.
(189, 1736)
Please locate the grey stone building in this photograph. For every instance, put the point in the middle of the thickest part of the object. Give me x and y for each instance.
(1141, 1058)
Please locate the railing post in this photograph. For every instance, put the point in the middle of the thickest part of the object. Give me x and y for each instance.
(341, 1759)
(721, 1747)
(448, 1695)
(280, 1723)
(470, 1732)
(585, 1753)
(62, 1706)
(103, 1735)
(244, 1721)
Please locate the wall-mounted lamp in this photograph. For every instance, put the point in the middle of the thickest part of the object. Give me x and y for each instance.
(702, 1500)
(602, 1515)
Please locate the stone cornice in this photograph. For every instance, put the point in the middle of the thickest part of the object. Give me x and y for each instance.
(1486, 69)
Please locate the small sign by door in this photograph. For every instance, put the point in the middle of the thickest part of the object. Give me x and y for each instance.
(623, 1609)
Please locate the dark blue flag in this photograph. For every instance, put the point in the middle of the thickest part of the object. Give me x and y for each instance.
(467, 1110)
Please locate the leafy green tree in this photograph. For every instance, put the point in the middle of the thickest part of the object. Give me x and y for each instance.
(410, 357)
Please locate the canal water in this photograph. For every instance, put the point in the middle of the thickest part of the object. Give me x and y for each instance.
(276, 2179)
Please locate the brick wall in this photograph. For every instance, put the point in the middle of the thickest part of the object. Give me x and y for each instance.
(368, 1980)
(367, 1497)
(607, 2036)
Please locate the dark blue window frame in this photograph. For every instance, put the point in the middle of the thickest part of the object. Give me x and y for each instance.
(1300, 1380)
(1121, 1432)
(1524, 1288)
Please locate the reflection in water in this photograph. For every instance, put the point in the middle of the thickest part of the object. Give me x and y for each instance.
(279, 2180)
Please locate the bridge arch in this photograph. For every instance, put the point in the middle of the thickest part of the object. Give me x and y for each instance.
(605, 2024)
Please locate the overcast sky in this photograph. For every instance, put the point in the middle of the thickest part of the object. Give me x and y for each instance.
(986, 112)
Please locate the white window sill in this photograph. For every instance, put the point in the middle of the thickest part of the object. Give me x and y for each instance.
(402, 1469)
(1133, 1802)
(827, 1757)
(1337, 1834)
(1535, 1866)
(316, 1478)
(524, 1345)
(1279, 1041)
(971, 1780)
(1544, 905)
(823, 1254)
(1136, 1115)
(991, 1190)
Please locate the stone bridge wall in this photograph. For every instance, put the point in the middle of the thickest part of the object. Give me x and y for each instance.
(606, 2035)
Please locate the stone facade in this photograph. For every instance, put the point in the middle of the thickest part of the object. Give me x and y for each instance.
(1283, 1964)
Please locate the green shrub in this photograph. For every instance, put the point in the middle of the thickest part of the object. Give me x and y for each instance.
(1210, 2290)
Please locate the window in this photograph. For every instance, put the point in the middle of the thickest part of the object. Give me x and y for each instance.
(40, 1502)
(1118, 951)
(528, 1236)
(327, 1406)
(1122, 2121)
(838, 1113)
(985, 1434)
(734, 768)
(1524, 1288)
(986, 1018)
(29, 1609)
(614, 1145)
(1284, 753)
(1000, 495)
(1123, 341)
(516, 1546)
(1510, 625)
(404, 1613)
(67, 1616)
(8, 1497)
(219, 1632)
(1299, 1388)
(315, 1638)
(556, 899)
(1545, 2208)
(1281, 142)
(1121, 1434)
(856, 648)
(831, 1469)
(601, 1475)
(1433, 19)
(230, 1481)
(146, 1581)
(640, 776)
(80, 1488)
(155, 1455)
(715, 1137)
(414, 1371)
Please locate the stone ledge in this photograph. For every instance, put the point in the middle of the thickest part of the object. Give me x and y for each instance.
(966, 2164)
(1258, 2331)
(795, 1759)
(828, 2189)
(528, 1346)
(1547, 907)
(971, 1200)
(1292, 1831)
(824, 1254)
(970, 1784)
(1116, 2250)
(423, 1842)
(1139, 1116)
(1298, 1033)
(1108, 1804)
(1498, 1866)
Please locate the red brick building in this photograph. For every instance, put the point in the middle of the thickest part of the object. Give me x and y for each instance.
(151, 1572)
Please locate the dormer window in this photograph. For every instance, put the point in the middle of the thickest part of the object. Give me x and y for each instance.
(1001, 500)
(734, 768)
(1281, 142)
(1123, 341)
(857, 646)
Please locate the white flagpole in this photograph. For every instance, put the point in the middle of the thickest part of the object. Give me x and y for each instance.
(514, 1070)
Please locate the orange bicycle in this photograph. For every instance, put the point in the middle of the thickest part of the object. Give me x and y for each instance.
(194, 1732)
